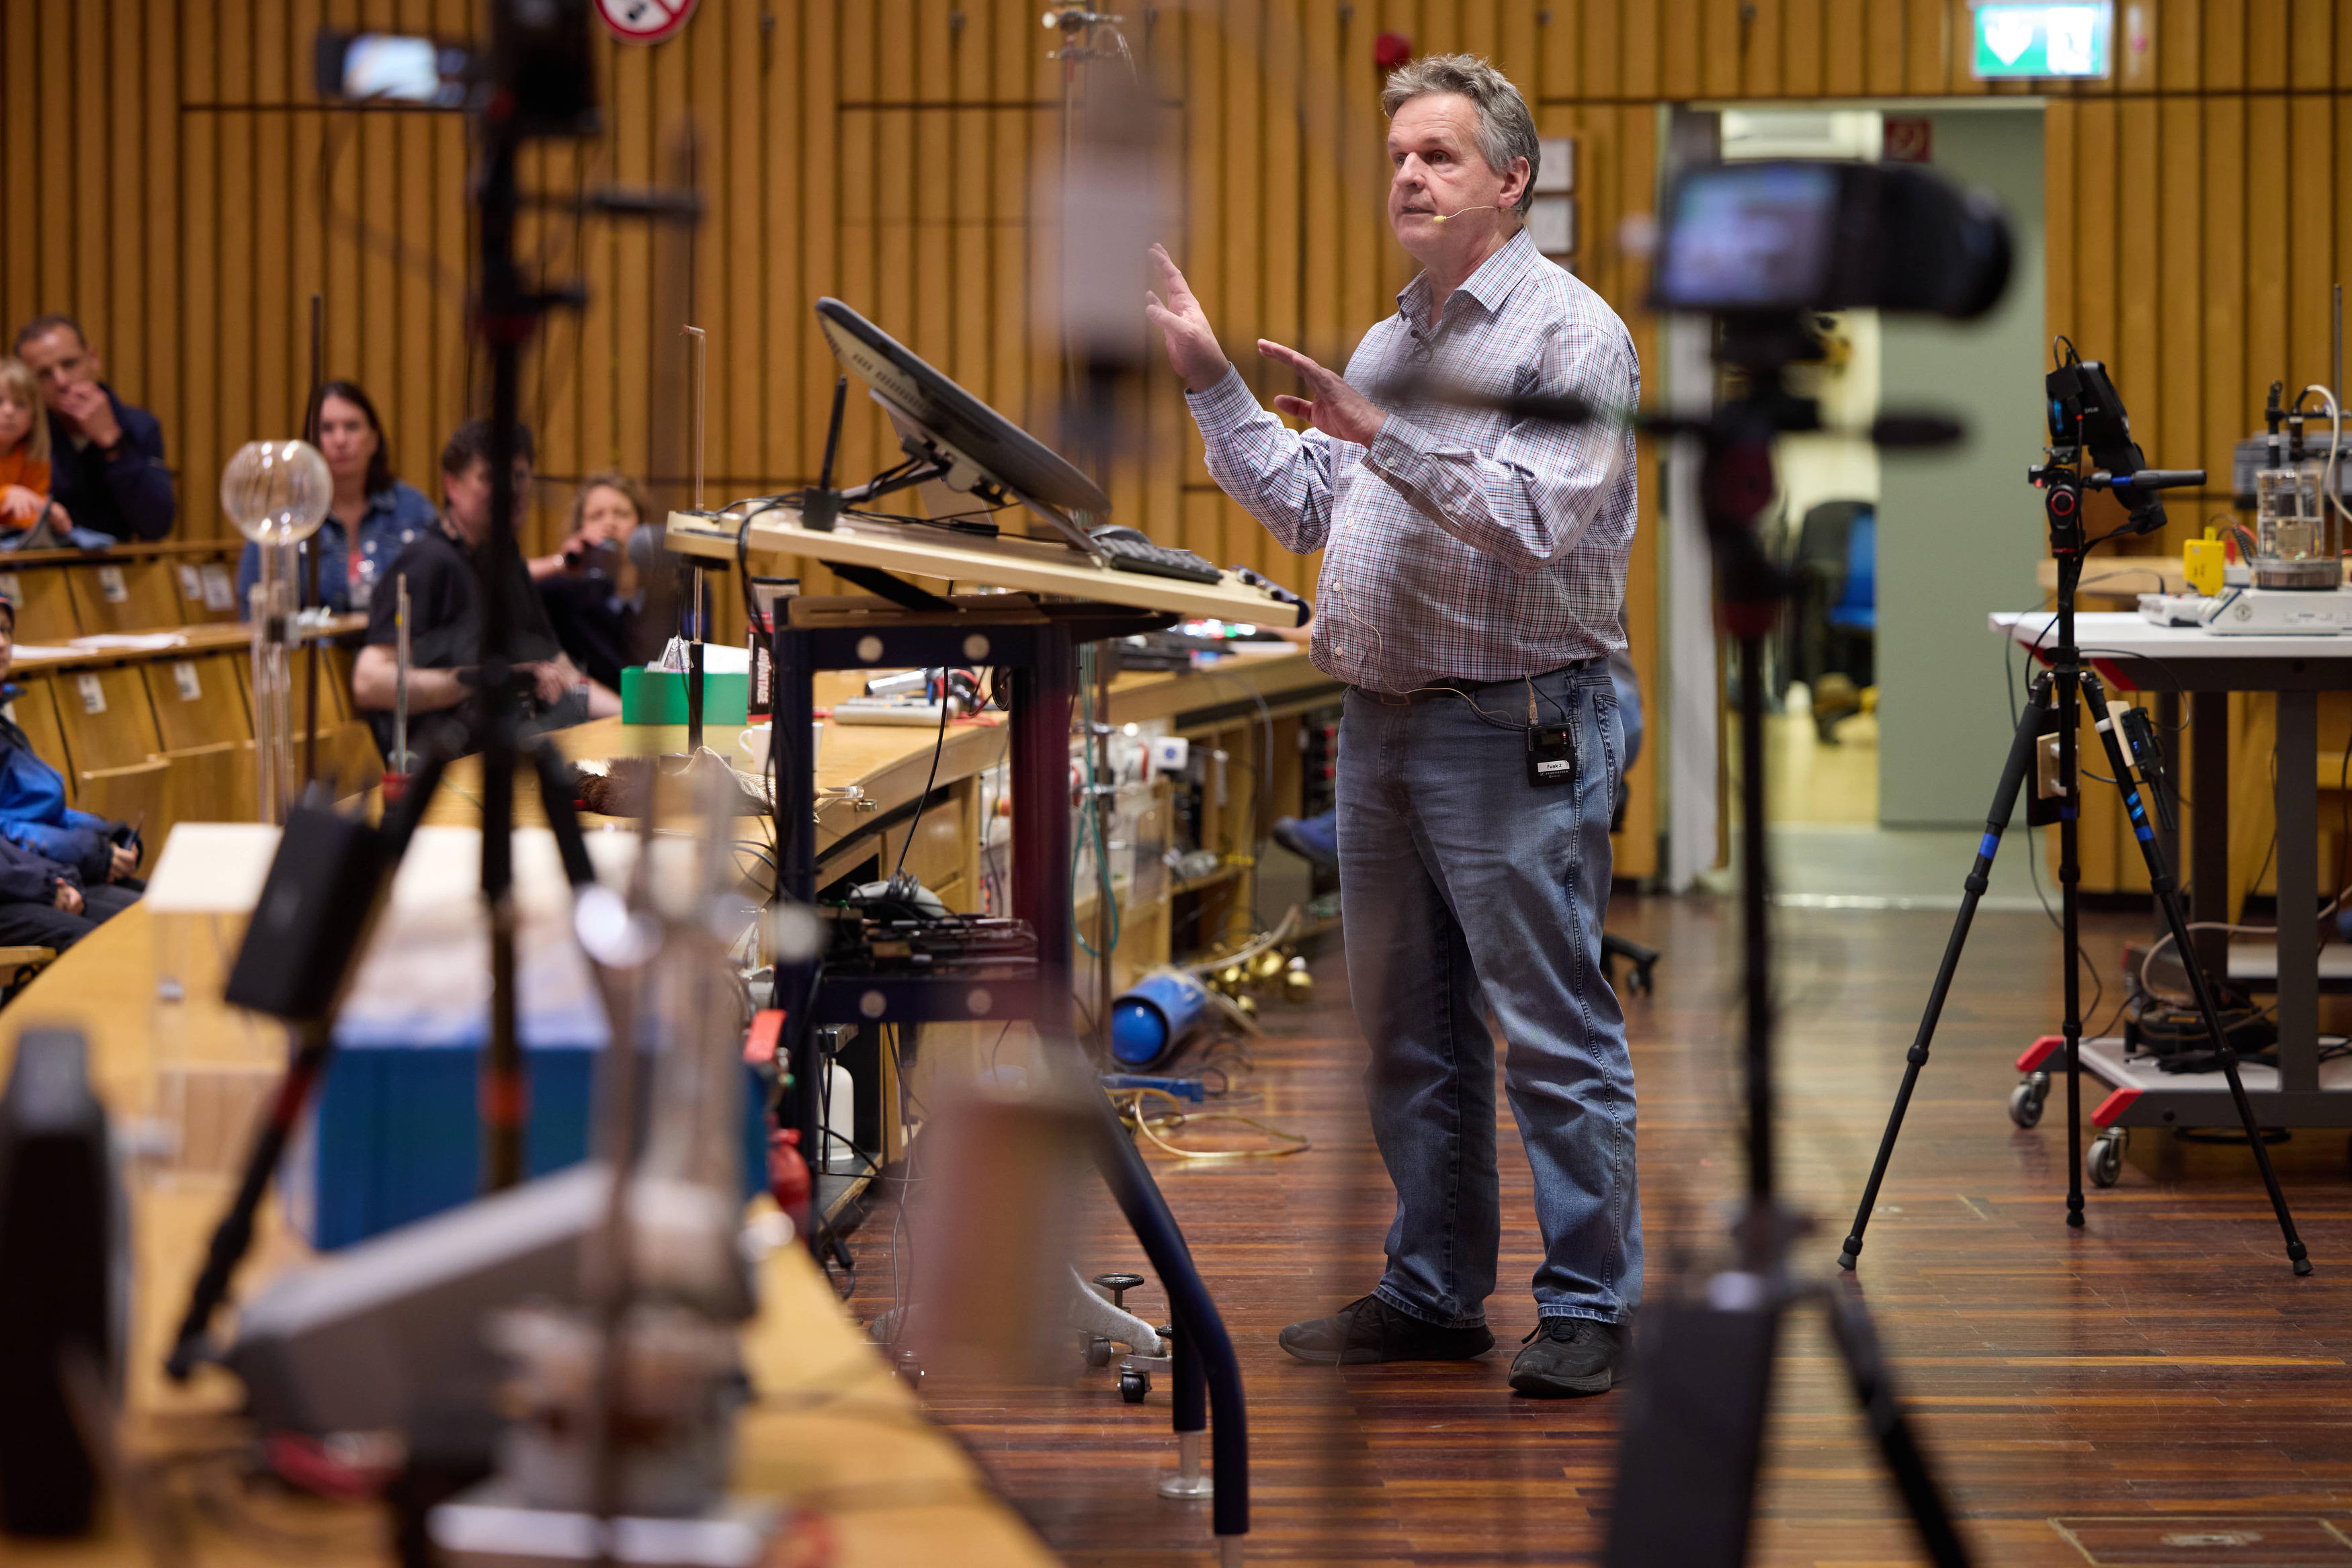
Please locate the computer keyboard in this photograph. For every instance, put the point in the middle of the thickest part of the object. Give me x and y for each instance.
(1155, 561)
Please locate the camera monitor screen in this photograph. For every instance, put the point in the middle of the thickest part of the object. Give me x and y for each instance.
(391, 69)
(1001, 449)
(1749, 236)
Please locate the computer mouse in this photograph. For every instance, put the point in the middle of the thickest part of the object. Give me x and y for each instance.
(1120, 531)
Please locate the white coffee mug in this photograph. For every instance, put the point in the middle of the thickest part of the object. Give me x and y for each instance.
(754, 744)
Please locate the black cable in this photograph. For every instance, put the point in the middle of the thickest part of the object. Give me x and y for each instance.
(925, 800)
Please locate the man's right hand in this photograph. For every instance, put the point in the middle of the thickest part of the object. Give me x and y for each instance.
(85, 404)
(68, 898)
(1192, 349)
(124, 863)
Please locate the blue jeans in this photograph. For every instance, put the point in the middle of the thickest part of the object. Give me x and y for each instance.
(1469, 889)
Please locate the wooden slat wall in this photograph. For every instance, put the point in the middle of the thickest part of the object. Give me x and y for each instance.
(168, 155)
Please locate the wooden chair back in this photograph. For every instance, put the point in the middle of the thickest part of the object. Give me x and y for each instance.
(138, 794)
(107, 718)
(199, 700)
(45, 606)
(123, 596)
(206, 589)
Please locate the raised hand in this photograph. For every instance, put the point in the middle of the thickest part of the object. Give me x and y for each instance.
(1336, 408)
(1192, 349)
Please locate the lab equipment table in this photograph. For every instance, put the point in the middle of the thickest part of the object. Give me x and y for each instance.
(2302, 1090)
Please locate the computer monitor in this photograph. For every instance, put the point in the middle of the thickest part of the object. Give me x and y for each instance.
(969, 433)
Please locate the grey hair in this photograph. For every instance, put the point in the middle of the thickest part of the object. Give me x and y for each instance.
(1507, 131)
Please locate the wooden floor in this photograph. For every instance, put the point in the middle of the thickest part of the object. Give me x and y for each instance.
(2158, 1375)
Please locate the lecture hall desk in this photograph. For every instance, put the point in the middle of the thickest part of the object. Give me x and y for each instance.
(834, 1430)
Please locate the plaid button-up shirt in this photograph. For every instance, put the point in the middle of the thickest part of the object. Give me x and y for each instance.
(1460, 544)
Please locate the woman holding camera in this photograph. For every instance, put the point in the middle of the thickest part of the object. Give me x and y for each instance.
(590, 585)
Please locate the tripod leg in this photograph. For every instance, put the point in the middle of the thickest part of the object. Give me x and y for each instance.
(1865, 1367)
(2068, 688)
(2167, 899)
(2004, 801)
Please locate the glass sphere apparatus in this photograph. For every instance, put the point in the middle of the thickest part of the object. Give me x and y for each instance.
(277, 493)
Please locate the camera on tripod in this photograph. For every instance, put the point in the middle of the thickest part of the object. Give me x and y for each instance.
(1761, 246)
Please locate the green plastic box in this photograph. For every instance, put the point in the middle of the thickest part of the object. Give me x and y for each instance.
(658, 696)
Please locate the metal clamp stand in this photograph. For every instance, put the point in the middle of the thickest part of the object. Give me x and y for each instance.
(1035, 645)
(2052, 709)
(1694, 1433)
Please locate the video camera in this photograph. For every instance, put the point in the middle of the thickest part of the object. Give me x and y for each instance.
(1786, 235)
(538, 70)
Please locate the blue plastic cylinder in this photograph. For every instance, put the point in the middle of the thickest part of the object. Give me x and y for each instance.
(1150, 1022)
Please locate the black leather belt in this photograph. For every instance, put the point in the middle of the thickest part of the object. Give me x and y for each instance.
(1431, 691)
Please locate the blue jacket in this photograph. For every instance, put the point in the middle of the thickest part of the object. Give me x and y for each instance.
(33, 814)
(127, 495)
(394, 516)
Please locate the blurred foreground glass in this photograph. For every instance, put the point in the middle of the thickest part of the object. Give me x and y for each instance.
(277, 493)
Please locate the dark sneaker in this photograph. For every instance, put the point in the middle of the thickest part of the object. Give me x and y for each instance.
(1368, 1330)
(1315, 839)
(1568, 1356)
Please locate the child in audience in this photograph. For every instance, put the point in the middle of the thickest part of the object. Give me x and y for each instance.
(23, 447)
(33, 811)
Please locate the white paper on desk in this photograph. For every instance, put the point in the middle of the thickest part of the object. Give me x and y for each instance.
(42, 651)
(129, 641)
(718, 659)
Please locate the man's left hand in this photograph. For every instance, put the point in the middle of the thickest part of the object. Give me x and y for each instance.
(1336, 408)
(86, 403)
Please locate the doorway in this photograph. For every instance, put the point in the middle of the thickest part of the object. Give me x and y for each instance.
(1889, 714)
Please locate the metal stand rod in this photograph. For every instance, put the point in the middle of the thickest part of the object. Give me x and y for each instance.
(1041, 868)
(1197, 1321)
(2066, 673)
(2004, 804)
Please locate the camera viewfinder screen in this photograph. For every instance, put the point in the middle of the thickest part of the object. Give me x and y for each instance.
(1749, 237)
(387, 68)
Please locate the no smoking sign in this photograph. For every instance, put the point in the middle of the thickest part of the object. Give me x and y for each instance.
(644, 21)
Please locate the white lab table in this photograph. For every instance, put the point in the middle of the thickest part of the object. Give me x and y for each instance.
(2205, 669)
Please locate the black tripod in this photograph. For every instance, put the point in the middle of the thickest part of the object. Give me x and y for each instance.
(1686, 1464)
(2051, 710)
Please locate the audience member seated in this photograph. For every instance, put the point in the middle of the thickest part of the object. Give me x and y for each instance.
(23, 448)
(106, 457)
(45, 905)
(34, 815)
(442, 565)
(590, 587)
(381, 513)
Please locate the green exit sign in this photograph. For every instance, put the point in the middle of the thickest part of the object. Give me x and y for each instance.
(2042, 40)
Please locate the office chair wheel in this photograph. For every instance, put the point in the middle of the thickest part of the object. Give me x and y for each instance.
(1098, 1350)
(1638, 982)
(2024, 1106)
(1134, 1386)
(2104, 1163)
